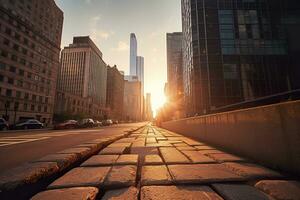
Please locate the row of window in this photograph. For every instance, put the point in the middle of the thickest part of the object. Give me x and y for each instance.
(17, 106)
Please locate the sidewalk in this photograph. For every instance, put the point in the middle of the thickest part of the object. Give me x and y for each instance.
(155, 164)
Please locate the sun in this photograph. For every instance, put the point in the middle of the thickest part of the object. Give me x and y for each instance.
(158, 100)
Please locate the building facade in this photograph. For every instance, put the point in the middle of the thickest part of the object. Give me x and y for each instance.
(237, 50)
(30, 39)
(115, 93)
(148, 108)
(132, 101)
(174, 65)
(83, 72)
(133, 54)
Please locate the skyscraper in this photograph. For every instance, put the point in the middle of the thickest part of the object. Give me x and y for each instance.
(238, 50)
(30, 37)
(83, 72)
(174, 64)
(133, 54)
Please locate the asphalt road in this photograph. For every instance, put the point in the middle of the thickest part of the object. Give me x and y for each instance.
(17, 148)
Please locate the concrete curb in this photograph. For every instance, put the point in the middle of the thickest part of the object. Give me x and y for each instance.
(24, 181)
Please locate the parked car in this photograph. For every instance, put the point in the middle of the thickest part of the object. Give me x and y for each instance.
(98, 123)
(107, 122)
(29, 124)
(86, 123)
(3, 125)
(68, 124)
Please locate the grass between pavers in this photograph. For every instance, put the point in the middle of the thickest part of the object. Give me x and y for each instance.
(30, 178)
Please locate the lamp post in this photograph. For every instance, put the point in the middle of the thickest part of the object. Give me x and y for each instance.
(6, 108)
(15, 110)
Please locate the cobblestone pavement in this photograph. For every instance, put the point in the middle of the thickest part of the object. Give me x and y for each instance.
(156, 164)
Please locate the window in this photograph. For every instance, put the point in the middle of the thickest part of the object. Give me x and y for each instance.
(12, 69)
(21, 72)
(230, 71)
(2, 66)
(10, 81)
(32, 108)
(8, 93)
(25, 106)
(4, 54)
(33, 97)
(26, 96)
(1, 78)
(18, 94)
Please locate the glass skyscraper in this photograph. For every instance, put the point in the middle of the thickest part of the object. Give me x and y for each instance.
(238, 50)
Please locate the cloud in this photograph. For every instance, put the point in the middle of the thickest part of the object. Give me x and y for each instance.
(122, 46)
(95, 32)
(88, 1)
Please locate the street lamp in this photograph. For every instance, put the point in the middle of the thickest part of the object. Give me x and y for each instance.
(15, 110)
(6, 108)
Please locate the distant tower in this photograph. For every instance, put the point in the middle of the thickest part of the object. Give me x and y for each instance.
(133, 54)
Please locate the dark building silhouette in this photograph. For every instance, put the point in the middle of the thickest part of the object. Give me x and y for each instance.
(115, 93)
(238, 50)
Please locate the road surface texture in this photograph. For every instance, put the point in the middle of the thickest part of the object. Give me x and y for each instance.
(156, 164)
(19, 147)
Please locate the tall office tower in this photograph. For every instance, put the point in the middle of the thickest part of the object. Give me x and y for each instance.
(132, 101)
(115, 93)
(174, 63)
(83, 72)
(30, 38)
(148, 107)
(140, 75)
(133, 54)
(238, 50)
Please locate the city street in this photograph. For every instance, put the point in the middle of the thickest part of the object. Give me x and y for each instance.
(17, 148)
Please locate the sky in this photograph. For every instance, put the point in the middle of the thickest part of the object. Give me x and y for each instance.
(109, 24)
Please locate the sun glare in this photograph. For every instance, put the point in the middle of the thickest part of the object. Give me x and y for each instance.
(158, 100)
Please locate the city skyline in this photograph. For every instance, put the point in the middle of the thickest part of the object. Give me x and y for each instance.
(110, 32)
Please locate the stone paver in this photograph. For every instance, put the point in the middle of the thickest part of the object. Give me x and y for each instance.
(172, 156)
(100, 160)
(251, 171)
(82, 193)
(63, 160)
(153, 160)
(81, 176)
(130, 193)
(142, 151)
(186, 148)
(197, 157)
(155, 175)
(151, 140)
(128, 159)
(178, 193)
(121, 176)
(202, 173)
(206, 152)
(113, 150)
(280, 189)
(240, 192)
(82, 152)
(120, 145)
(160, 144)
(225, 157)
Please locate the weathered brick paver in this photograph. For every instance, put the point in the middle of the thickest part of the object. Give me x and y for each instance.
(155, 175)
(101, 160)
(156, 164)
(82, 193)
(153, 160)
(128, 159)
(81, 176)
(130, 193)
(172, 156)
(113, 150)
(240, 192)
(121, 176)
(251, 171)
(197, 157)
(202, 173)
(280, 189)
(178, 193)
